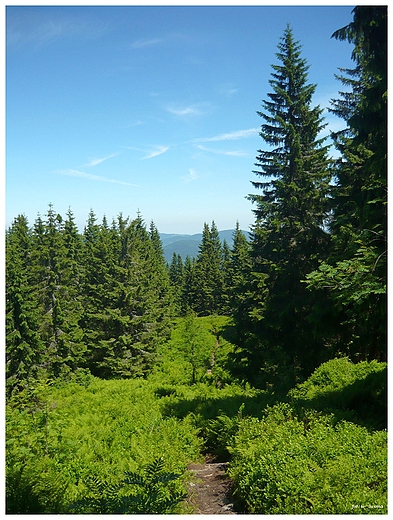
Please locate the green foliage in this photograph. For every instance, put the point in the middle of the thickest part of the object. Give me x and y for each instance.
(219, 433)
(197, 351)
(359, 389)
(285, 465)
(122, 446)
(309, 456)
(97, 301)
(148, 492)
(355, 272)
(73, 432)
(289, 236)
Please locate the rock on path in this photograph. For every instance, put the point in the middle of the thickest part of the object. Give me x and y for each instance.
(209, 492)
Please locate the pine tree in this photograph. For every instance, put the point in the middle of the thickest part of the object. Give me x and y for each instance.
(291, 213)
(72, 276)
(97, 293)
(239, 268)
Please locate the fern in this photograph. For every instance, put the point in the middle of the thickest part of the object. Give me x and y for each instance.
(145, 493)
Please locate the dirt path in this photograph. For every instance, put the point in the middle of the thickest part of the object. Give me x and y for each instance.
(209, 492)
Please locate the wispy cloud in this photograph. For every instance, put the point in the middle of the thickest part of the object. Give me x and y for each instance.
(94, 162)
(45, 29)
(89, 176)
(145, 42)
(231, 136)
(227, 90)
(196, 109)
(237, 153)
(192, 176)
(149, 152)
(159, 150)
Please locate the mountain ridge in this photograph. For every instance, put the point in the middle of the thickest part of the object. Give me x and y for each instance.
(188, 245)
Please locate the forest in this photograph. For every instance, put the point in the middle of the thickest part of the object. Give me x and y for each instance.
(271, 354)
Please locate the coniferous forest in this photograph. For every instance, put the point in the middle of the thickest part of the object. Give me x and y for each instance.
(122, 369)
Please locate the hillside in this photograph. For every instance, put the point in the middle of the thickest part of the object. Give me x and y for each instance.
(188, 245)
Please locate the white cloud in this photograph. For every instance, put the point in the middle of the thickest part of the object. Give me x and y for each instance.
(89, 176)
(157, 151)
(236, 153)
(94, 162)
(192, 176)
(231, 136)
(191, 110)
(196, 109)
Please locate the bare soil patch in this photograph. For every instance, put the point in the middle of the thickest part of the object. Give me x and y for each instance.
(210, 490)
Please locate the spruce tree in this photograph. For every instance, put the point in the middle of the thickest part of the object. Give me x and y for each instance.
(208, 273)
(127, 297)
(239, 272)
(51, 293)
(176, 275)
(24, 349)
(226, 288)
(189, 286)
(288, 237)
(356, 271)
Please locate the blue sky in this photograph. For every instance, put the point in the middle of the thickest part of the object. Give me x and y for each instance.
(150, 109)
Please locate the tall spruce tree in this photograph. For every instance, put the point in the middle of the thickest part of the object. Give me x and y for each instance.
(176, 276)
(52, 294)
(289, 236)
(356, 271)
(24, 348)
(208, 273)
(188, 291)
(238, 275)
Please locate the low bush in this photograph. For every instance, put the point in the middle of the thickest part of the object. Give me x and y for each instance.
(321, 453)
(338, 385)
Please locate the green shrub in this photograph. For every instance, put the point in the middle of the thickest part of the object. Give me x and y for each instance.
(338, 384)
(284, 465)
(218, 434)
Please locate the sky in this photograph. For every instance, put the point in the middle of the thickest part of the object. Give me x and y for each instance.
(150, 109)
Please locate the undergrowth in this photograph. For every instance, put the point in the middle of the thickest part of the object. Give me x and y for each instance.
(85, 445)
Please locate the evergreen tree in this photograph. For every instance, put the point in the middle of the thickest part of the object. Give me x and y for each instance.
(226, 281)
(127, 298)
(72, 276)
(188, 292)
(99, 289)
(208, 273)
(176, 275)
(51, 293)
(239, 276)
(356, 271)
(24, 348)
(289, 236)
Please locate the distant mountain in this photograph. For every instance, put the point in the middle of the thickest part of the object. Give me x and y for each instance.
(188, 245)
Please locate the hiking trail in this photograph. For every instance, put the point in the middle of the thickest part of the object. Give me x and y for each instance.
(210, 490)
